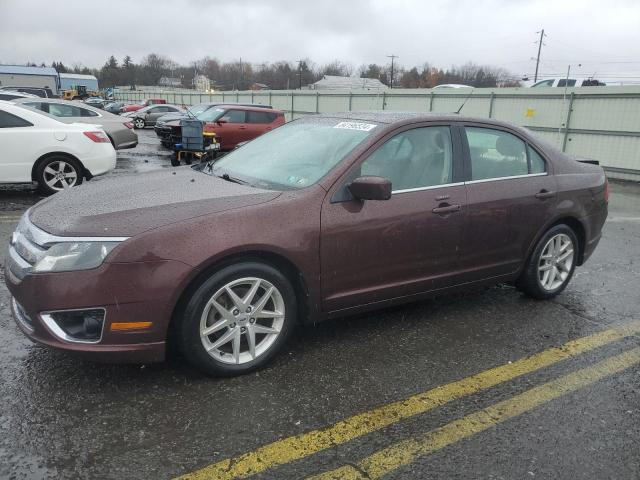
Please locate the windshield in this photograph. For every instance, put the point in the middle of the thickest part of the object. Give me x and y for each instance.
(210, 115)
(293, 156)
(195, 110)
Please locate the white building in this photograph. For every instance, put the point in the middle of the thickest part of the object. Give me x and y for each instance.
(201, 83)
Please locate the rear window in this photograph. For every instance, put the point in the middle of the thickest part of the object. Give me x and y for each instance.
(261, 117)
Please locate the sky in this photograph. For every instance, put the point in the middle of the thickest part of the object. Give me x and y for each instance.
(600, 38)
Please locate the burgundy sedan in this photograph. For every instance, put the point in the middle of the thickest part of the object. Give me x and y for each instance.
(323, 217)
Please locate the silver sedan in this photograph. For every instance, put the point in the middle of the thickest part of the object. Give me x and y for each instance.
(118, 129)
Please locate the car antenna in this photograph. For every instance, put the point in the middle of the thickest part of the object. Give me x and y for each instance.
(465, 101)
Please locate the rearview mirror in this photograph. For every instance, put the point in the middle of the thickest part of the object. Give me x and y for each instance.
(371, 188)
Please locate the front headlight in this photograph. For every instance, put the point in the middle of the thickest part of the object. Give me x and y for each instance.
(69, 256)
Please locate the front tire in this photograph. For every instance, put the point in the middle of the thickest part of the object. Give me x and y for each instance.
(551, 265)
(237, 320)
(58, 173)
(138, 123)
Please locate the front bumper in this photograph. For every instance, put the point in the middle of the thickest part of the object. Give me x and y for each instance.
(128, 292)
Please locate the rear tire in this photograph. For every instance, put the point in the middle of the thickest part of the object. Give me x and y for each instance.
(551, 264)
(57, 173)
(247, 326)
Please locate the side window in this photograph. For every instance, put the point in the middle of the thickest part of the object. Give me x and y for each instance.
(260, 117)
(234, 116)
(422, 157)
(544, 83)
(495, 154)
(87, 113)
(60, 110)
(563, 82)
(536, 162)
(8, 120)
(35, 105)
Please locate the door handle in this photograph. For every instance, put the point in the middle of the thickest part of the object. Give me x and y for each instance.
(544, 194)
(444, 209)
(242, 128)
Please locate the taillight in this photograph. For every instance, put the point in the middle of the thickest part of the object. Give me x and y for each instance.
(606, 190)
(128, 124)
(98, 137)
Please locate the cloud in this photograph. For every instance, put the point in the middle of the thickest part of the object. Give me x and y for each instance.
(498, 32)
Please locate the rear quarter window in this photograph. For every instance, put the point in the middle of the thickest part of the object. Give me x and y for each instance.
(261, 117)
(8, 120)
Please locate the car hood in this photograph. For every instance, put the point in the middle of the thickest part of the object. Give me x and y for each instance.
(132, 204)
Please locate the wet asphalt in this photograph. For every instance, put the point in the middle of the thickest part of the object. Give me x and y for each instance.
(63, 417)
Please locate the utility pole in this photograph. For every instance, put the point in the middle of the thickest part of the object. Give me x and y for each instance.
(392, 57)
(542, 35)
(300, 74)
(241, 76)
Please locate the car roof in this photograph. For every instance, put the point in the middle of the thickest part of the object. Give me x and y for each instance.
(389, 117)
(247, 108)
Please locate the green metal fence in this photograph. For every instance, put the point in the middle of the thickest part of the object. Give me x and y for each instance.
(602, 123)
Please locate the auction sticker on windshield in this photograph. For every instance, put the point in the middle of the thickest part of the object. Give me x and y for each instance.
(365, 127)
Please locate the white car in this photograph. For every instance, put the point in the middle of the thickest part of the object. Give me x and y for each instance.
(34, 146)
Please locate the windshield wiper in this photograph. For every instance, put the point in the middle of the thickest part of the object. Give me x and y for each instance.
(228, 178)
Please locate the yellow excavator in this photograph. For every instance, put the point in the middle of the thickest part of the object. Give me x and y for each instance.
(78, 92)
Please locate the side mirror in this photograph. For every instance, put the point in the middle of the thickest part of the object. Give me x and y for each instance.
(221, 121)
(371, 188)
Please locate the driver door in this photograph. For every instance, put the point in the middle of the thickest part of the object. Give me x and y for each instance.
(372, 251)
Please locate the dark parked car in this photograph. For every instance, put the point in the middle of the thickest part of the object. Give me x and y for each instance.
(147, 116)
(232, 124)
(323, 217)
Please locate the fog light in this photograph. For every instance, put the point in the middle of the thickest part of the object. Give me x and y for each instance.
(82, 326)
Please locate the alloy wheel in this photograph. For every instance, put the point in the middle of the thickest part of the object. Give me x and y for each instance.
(139, 123)
(556, 261)
(242, 320)
(60, 175)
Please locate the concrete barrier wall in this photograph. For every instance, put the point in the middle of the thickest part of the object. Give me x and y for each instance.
(602, 123)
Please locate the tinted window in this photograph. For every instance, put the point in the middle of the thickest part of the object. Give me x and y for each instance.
(564, 83)
(171, 109)
(260, 117)
(536, 162)
(417, 158)
(544, 83)
(234, 116)
(495, 154)
(87, 113)
(8, 120)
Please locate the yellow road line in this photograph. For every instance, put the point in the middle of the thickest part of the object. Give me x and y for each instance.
(300, 446)
(403, 453)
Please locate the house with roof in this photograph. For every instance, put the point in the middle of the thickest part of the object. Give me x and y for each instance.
(21, 76)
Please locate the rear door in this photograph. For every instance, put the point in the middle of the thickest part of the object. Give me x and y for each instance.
(20, 140)
(373, 251)
(259, 123)
(511, 195)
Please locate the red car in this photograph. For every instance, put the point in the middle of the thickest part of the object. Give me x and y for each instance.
(145, 103)
(232, 124)
(323, 217)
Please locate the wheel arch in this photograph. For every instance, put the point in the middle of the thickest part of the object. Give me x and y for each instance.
(572, 222)
(48, 155)
(275, 260)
